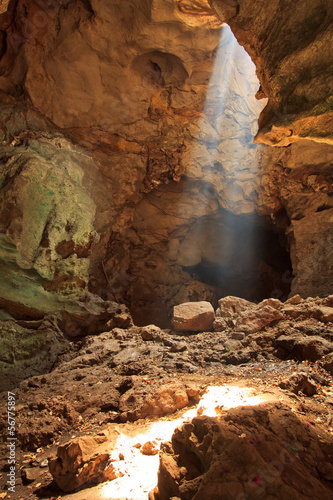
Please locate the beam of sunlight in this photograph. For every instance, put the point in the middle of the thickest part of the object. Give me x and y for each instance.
(140, 470)
(225, 160)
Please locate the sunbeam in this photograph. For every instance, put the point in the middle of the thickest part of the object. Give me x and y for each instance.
(224, 159)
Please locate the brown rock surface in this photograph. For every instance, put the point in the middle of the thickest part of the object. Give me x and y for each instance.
(255, 320)
(84, 461)
(168, 398)
(193, 316)
(128, 167)
(247, 451)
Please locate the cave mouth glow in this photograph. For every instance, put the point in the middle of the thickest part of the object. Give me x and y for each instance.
(139, 470)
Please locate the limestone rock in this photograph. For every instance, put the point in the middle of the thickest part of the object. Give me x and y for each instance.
(84, 461)
(327, 362)
(167, 399)
(220, 324)
(94, 315)
(300, 382)
(255, 320)
(312, 348)
(150, 332)
(29, 348)
(150, 448)
(193, 316)
(295, 299)
(247, 452)
(228, 306)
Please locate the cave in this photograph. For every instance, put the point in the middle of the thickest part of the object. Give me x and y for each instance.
(166, 249)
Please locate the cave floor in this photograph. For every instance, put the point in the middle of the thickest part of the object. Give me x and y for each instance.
(255, 381)
(128, 380)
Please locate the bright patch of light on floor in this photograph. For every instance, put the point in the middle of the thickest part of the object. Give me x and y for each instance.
(140, 471)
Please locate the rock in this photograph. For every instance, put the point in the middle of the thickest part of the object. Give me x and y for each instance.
(255, 320)
(95, 315)
(305, 310)
(193, 316)
(313, 254)
(178, 347)
(245, 452)
(237, 335)
(295, 299)
(19, 357)
(136, 403)
(275, 303)
(220, 324)
(311, 348)
(328, 301)
(300, 382)
(322, 313)
(230, 305)
(150, 448)
(30, 475)
(327, 362)
(150, 332)
(84, 461)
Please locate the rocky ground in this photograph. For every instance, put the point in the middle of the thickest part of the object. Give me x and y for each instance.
(124, 378)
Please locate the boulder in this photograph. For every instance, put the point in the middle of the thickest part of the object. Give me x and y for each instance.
(327, 362)
(230, 305)
(300, 382)
(247, 453)
(252, 321)
(84, 461)
(311, 348)
(193, 316)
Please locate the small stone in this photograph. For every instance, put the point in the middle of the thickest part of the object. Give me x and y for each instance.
(300, 382)
(178, 347)
(230, 305)
(254, 320)
(30, 475)
(149, 332)
(150, 448)
(220, 324)
(238, 335)
(296, 299)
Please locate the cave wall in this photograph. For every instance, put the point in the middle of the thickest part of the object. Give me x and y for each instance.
(113, 149)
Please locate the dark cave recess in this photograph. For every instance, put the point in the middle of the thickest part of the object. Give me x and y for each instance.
(257, 266)
(241, 255)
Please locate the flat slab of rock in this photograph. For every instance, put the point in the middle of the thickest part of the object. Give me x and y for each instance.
(193, 316)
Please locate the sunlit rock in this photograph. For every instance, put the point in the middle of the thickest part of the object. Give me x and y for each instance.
(84, 461)
(193, 316)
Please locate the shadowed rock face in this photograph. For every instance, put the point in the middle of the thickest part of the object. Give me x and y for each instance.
(122, 174)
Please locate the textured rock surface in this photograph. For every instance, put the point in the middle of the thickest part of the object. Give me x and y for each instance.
(127, 146)
(84, 461)
(118, 376)
(251, 452)
(193, 316)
